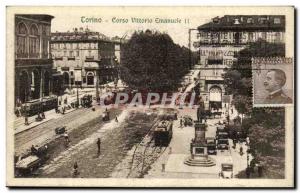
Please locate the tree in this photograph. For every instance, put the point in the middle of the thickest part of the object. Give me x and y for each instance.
(151, 61)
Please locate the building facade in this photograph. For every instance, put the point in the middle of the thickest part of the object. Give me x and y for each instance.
(223, 38)
(83, 57)
(33, 63)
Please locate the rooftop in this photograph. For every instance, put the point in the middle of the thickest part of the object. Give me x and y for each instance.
(41, 17)
(245, 22)
(78, 35)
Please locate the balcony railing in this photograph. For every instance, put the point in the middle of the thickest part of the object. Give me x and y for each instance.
(89, 57)
(58, 58)
(71, 58)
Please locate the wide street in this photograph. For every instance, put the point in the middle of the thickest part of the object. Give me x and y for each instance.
(118, 140)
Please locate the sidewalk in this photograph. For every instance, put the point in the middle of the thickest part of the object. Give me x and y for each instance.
(19, 122)
(20, 126)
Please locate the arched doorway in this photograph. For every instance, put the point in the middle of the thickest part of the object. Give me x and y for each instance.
(23, 87)
(46, 83)
(90, 78)
(215, 97)
(66, 79)
(35, 84)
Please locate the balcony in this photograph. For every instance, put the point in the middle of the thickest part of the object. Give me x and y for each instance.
(71, 58)
(58, 58)
(34, 61)
(214, 60)
(91, 59)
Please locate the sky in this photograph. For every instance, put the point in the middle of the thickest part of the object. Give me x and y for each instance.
(67, 20)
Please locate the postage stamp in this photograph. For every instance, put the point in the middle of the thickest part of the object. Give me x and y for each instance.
(272, 81)
(145, 96)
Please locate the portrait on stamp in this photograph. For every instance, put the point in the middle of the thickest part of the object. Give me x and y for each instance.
(273, 83)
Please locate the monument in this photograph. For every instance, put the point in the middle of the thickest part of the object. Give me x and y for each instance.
(199, 156)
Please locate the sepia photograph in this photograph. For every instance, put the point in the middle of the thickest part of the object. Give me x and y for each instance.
(150, 96)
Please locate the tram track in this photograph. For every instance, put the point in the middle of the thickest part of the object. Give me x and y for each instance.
(145, 154)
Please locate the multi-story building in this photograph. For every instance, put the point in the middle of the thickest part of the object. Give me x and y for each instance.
(83, 57)
(33, 63)
(222, 39)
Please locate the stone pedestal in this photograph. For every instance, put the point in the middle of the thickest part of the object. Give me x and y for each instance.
(199, 156)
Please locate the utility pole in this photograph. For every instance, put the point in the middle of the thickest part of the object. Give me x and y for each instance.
(77, 95)
(190, 47)
(97, 88)
(190, 51)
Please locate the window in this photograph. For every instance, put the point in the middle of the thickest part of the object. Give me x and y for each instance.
(77, 53)
(276, 20)
(225, 35)
(22, 40)
(65, 45)
(90, 53)
(277, 37)
(71, 54)
(250, 37)
(264, 35)
(250, 20)
(65, 53)
(262, 20)
(45, 43)
(34, 42)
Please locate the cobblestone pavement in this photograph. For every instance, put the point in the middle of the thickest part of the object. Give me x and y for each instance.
(44, 133)
(117, 138)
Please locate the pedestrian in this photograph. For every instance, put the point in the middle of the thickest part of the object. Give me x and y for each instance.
(116, 119)
(66, 136)
(241, 151)
(26, 120)
(259, 170)
(33, 150)
(99, 146)
(248, 172)
(43, 115)
(231, 110)
(56, 109)
(181, 122)
(75, 169)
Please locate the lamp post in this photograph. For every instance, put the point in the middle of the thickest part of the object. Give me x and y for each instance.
(26, 98)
